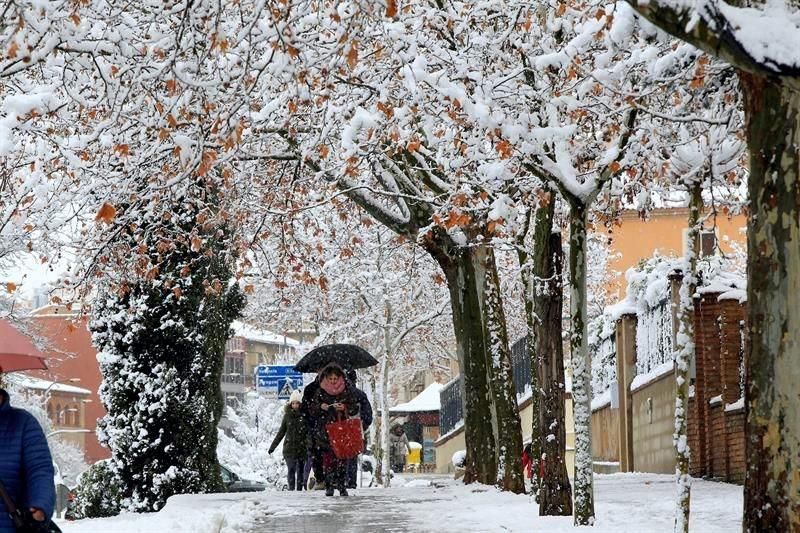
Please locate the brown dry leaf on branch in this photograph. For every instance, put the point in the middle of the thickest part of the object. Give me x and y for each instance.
(106, 213)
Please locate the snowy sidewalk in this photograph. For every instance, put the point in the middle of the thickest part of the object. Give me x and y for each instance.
(625, 503)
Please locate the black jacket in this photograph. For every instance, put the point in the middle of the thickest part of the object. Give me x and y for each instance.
(317, 419)
(293, 428)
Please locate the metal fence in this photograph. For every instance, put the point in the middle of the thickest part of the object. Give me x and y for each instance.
(654, 337)
(451, 410)
(521, 365)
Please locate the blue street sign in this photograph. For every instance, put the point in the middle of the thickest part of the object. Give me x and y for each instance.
(278, 380)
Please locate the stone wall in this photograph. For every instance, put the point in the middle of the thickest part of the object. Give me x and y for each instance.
(653, 425)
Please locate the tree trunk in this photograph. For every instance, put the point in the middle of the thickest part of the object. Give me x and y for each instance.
(463, 270)
(509, 426)
(772, 481)
(555, 496)
(684, 353)
(385, 457)
(581, 367)
(529, 296)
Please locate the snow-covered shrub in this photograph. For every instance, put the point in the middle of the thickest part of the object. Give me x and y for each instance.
(160, 330)
(459, 459)
(243, 445)
(98, 492)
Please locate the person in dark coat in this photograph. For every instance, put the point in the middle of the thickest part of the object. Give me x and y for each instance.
(365, 409)
(295, 449)
(26, 466)
(314, 458)
(333, 398)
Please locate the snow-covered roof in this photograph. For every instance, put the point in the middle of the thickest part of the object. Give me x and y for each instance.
(30, 382)
(425, 401)
(251, 333)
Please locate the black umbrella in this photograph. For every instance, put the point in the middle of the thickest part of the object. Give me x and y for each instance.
(345, 355)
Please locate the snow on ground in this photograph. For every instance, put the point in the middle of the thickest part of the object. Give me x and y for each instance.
(189, 513)
(433, 504)
(634, 503)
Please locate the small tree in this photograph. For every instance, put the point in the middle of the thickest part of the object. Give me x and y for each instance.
(161, 335)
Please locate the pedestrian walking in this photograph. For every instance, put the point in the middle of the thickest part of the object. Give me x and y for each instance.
(26, 469)
(295, 446)
(333, 399)
(365, 410)
(314, 458)
(398, 448)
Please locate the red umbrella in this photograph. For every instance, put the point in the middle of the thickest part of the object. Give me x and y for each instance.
(17, 352)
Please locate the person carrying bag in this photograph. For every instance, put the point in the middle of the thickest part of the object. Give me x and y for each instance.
(24, 522)
(26, 472)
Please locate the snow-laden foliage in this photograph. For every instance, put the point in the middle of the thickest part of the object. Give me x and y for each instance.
(160, 331)
(249, 431)
(99, 492)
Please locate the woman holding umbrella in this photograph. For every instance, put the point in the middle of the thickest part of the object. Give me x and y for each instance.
(341, 357)
(335, 398)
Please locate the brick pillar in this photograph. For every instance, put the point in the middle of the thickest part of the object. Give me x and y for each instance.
(700, 399)
(732, 315)
(731, 330)
(707, 315)
(626, 371)
(708, 383)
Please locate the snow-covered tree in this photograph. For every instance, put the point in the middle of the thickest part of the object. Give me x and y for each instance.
(769, 83)
(160, 331)
(250, 429)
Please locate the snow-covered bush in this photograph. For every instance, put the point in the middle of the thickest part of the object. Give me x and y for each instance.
(248, 433)
(459, 459)
(98, 492)
(160, 331)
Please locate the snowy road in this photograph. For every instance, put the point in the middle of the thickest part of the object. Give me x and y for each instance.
(365, 511)
(625, 503)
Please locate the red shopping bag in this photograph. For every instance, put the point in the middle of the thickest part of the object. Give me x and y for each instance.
(346, 437)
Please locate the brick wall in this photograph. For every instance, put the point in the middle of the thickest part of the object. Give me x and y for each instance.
(734, 426)
(696, 458)
(716, 434)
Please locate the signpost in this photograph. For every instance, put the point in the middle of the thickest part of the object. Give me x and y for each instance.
(278, 380)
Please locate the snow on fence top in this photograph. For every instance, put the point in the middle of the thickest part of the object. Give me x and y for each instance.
(649, 291)
(603, 350)
(648, 296)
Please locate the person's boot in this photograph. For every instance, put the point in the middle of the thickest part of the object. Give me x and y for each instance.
(343, 491)
(328, 491)
(311, 482)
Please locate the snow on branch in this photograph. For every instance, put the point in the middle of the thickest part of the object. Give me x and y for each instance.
(737, 35)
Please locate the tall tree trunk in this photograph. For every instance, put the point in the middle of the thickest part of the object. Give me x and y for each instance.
(463, 270)
(772, 481)
(501, 375)
(581, 367)
(385, 457)
(555, 496)
(529, 278)
(684, 353)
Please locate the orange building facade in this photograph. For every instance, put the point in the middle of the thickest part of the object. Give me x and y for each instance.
(663, 232)
(72, 358)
